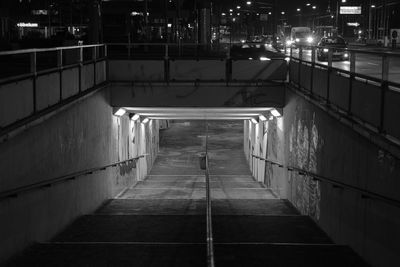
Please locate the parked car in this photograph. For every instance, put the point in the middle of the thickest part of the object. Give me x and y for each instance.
(337, 45)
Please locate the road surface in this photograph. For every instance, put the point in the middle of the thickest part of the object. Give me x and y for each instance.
(366, 64)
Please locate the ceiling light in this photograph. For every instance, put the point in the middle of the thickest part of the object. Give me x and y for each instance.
(120, 112)
(135, 117)
(275, 113)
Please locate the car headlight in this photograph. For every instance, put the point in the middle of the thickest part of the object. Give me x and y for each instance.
(325, 50)
(265, 59)
(297, 40)
(310, 39)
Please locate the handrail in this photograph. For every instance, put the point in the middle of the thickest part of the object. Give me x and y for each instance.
(210, 244)
(157, 44)
(46, 183)
(38, 50)
(364, 193)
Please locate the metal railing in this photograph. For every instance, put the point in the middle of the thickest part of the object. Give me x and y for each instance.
(210, 241)
(166, 50)
(333, 58)
(49, 182)
(28, 63)
(369, 95)
(364, 193)
(44, 87)
(159, 63)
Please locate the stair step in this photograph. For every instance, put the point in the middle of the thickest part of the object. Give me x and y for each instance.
(189, 184)
(136, 228)
(267, 229)
(198, 193)
(284, 255)
(154, 207)
(115, 255)
(244, 207)
(197, 207)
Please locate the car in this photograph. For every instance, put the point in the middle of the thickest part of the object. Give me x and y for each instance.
(300, 37)
(337, 45)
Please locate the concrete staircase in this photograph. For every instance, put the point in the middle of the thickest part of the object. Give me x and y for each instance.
(161, 221)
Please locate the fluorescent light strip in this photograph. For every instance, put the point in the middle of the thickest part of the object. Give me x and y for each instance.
(275, 113)
(135, 117)
(120, 112)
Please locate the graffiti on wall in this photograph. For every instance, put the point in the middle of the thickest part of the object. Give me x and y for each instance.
(272, 147)
(304, 145)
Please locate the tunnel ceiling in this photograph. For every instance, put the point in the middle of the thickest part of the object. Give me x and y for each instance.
(200, 113)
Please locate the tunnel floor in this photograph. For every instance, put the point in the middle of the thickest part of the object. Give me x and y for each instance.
(161, 221)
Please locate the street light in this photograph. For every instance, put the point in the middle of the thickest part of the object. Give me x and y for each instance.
(370, 20)
(248, 3)
(298, 10)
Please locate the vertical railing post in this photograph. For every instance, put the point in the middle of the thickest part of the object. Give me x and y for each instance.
(352, 58)
(290, 62)
(300, 64)
(166, 64)
(59, 58)
(33, 69)
(312, 69)
(106, 60)
(330, 55)
(384, 88)
(80, 67)
(129, 47)
(33, 62)
(60, 70)
(228, 67)
(94, 55)
(328, 87)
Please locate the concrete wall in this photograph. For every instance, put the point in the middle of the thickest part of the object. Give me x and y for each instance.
(190, 95)
(310, 139)
(359, 97)
(191, 70)
(265, 140)
(17, 98)
(84, 136)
